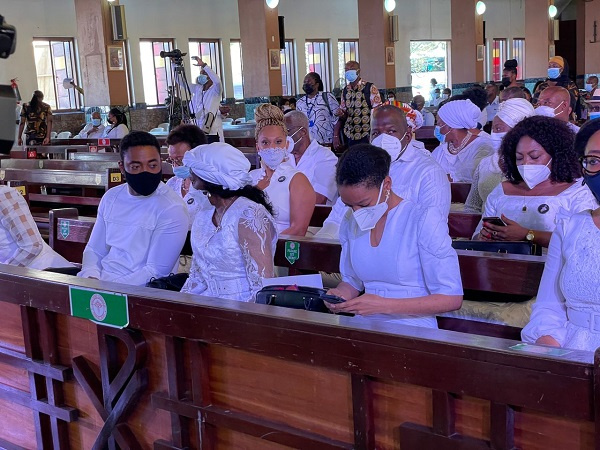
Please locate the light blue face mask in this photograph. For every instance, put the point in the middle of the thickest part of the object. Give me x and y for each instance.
(96, 122)
(181, 172)
(202, 79)
(553, 73)
(351, 75)
(595, 115)
(437, 132)
(588, 87)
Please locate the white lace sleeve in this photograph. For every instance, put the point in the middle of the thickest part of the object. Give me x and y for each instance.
(257, 239)
(474, 202)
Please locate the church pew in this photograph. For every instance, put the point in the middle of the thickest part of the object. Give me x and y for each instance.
(426, 136)
(234, 375)
(459, 192)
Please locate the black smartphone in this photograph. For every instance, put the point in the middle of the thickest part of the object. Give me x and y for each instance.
(332, 298)
(495, 221)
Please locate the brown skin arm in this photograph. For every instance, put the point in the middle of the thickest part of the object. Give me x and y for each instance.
(302, 205)
(49, 130)
(336, 134)
(21, 128)
(321, 199)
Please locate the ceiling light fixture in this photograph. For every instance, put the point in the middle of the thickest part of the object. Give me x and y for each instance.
(389, 5)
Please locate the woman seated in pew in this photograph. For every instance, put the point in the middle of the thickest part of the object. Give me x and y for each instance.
(181, 140)
(117, 128)
(462, 144)
(568, 301)
(20, 241)
(233, 241)
(543, 177)
(396, 251)
(488, 174)
(289, 190)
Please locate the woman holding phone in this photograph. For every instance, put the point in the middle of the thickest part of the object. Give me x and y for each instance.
(407, 280)
(540, 165)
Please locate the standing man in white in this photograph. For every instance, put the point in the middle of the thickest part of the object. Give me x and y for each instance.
(206, 101)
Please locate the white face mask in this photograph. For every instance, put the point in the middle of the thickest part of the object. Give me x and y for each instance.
(547, 111)
(497, 139)
(272, 157)
(366, 218)
(534, 174)
(390, 144)
(444, 96)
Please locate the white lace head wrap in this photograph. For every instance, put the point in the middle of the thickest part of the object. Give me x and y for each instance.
(513, 110)
(460, 114)
(220, 164)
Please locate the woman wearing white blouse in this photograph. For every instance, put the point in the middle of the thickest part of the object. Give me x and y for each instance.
(398, 252)
(567, 309)
(540, 164)
(118, 125)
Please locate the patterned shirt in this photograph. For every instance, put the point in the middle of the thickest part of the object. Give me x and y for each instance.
(321, 120)
(358, 122)
(18, 228)
(37, 121)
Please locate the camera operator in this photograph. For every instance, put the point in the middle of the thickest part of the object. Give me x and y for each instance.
(206, 101)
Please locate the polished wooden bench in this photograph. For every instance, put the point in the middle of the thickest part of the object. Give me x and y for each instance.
(197, 372)
(459, 192)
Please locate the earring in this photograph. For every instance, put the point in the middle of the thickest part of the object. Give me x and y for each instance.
(387, 195)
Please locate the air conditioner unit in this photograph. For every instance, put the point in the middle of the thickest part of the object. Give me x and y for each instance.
(119, 28)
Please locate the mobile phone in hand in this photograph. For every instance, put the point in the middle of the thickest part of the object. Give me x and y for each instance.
(332, 298)
(495, 221)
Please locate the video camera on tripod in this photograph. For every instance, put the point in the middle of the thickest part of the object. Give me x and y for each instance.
(8, 100)
(181, 109)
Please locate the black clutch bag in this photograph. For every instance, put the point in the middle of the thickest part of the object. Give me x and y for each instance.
(172, 282)
(296, 297)
(518, 247)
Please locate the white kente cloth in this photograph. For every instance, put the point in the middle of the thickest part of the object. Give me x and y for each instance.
(415, 258)
(569, 288)
(231, 261)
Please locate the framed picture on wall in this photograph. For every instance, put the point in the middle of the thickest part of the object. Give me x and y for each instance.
(390, 56)
(115, 57)
(274, 59)
(480, 52)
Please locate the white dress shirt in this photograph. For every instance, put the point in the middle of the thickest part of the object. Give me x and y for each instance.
(428, 118)
(492, 109)
(208, 101)
(195, 200)
(415, 176)
(318, 164)
(461, 167)
(89, 132)
(421, 263)
(118, 132)
(136, 237)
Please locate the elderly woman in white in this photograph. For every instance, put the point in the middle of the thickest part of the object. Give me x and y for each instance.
(488, 174)
(462, 146)
(234, 241)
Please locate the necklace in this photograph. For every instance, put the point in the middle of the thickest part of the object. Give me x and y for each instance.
(456, 150)
(219, 217)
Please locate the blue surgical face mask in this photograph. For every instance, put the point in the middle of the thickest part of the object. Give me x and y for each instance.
(202, 79)
(595, 115)
(588, 87)
(553, 73)
(437, 132)
(351, 75)
(181, 172)
(96, 122)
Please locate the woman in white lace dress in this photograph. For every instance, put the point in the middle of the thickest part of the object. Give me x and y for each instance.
(567, 310)
(234, 241)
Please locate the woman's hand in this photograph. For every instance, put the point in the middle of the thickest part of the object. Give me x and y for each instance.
(511, 232)
(548, 340)
(365, 305)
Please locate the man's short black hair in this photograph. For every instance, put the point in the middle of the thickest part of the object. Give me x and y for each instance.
(190, 134)
(138, 139)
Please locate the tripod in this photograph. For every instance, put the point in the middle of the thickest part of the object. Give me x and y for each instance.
(180, 105)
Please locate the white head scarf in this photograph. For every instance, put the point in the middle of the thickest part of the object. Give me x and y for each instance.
(513, 110)
(460, 114)
(220, 164)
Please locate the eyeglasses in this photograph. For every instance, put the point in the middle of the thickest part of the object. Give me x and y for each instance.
(175, 162)
(590, 164)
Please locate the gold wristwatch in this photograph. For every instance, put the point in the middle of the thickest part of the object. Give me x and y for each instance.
(530, 236)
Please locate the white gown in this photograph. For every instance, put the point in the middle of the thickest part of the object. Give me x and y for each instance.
(194, 200)
(538, 212)
(414, 258)
(461, 167)
(231, 261)
(569, 282)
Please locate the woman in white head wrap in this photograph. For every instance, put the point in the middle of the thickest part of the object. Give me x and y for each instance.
(234, 241)
(488, 174)
(462, 144)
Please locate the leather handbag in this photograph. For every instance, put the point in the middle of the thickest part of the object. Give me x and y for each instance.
(172, 282)
(295, 297)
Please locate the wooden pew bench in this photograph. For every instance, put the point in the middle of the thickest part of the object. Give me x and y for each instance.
(225, 374)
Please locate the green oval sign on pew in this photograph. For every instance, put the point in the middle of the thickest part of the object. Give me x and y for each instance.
(104, 308)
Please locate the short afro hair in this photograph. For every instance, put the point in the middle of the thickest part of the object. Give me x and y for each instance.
(190, 134)
(557, 140)
(363, 164)
(138, 139)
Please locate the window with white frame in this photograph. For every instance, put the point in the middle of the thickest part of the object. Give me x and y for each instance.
(237, 68)
(518, 53)
(347, 51)
(288, 68)
(317, 60)
(55, 61)
(498, 58)
(209, 50)
(156, 71)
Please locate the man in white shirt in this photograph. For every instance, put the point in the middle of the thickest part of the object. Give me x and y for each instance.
(416, 176)
(493, 101)
(206, 100)
(555, 101)
(419, 105)
(142, 225)
(311, 158)
(94, 129)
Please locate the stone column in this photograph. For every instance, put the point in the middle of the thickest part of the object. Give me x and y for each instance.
(374, 44)
(94, 30)
(537, 38)
(467, 34)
